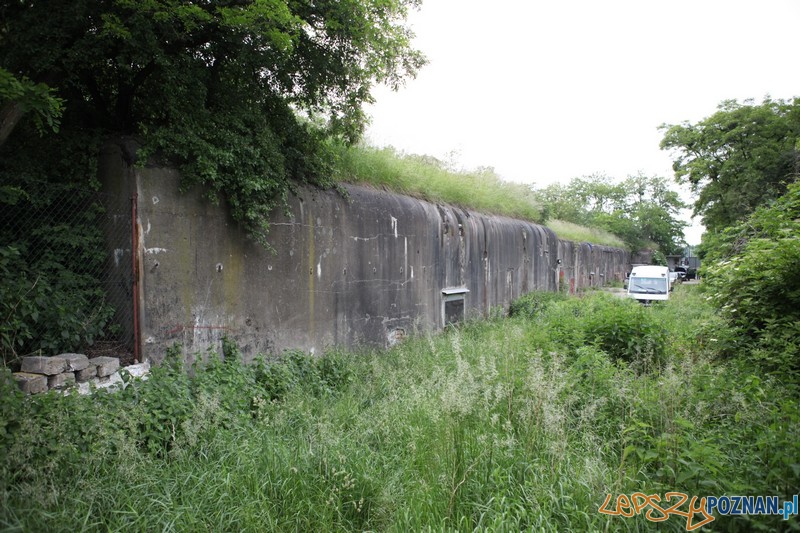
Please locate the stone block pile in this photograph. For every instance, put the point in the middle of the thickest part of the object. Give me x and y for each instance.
(42, 373)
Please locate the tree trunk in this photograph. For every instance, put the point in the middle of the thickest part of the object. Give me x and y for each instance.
(10, 114)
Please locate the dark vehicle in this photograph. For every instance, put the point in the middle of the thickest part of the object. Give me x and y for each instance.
(691, 264)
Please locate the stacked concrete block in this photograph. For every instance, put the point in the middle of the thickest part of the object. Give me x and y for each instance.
(31, 383)
(61, 381)
(105, 365)
(49, 366)
(114, 381)
(75, 361)
(84, 375)
(40, 374)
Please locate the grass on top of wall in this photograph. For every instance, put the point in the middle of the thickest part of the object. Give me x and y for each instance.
(578, 233)
(428, 178)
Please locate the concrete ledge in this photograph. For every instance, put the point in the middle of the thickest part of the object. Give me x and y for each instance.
(86, 374)
(138, 371)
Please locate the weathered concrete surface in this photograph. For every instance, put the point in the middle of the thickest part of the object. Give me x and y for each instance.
(119, 186)
(31, 383)
(75, 361)
(139, 370)
(38, 364)
(60, 381)
(367, 269)
(111, 382)
(105, 365)
(115, 381)
(86, 374)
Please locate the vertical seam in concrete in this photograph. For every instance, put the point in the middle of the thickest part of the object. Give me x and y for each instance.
(486, 267)
(311, 287)
(139, 288)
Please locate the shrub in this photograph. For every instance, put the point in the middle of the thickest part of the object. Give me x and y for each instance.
(335, 372)
(51, 246)
(275, 378)
(625, 330)
(161, 405)
(317, 375)
(751, 275)
(534, 303)
(622, 328)
(48, 307)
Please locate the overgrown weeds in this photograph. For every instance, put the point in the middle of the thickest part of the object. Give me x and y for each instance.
(431, 179)
(578, 233)
(510, 424)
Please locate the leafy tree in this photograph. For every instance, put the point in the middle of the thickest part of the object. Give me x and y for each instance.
(641, 210)
(242, 94)
(752, 275)
(22, 96)
(245, 96)
(560, 203)
(737, 159)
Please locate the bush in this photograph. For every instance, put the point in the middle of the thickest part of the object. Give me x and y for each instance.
(626, 330)
(51, 245)
(752, 276)
(622, 328)
(48, 307)
(534, 303)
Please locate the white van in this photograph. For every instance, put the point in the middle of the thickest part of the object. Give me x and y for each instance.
(649, 283)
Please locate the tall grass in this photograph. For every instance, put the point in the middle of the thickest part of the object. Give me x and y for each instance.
(429, 179)
(512, 424)
(575, 232)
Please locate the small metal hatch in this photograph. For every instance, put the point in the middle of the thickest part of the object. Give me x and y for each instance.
(453, 305)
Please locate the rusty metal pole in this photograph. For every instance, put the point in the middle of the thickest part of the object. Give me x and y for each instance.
(135, 274)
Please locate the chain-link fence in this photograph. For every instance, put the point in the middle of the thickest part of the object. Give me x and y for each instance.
(66, 274)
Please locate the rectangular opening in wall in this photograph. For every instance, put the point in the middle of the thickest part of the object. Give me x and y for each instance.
(453, 305)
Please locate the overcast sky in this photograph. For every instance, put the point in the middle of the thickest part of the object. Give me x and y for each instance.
(545, 91)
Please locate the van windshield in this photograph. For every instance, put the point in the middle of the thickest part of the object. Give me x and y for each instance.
(648, 285)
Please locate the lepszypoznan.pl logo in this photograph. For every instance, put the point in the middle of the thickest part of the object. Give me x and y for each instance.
(673, 504)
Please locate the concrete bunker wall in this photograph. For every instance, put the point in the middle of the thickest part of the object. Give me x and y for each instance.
(369, 268)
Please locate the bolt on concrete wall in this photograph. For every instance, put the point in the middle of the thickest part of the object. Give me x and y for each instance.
(368, 268)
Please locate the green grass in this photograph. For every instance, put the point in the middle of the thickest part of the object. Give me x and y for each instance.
(513, 424)
(578, 233)
(429, 179)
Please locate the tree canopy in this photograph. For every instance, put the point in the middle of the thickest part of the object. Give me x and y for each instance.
(21, 96)
(641, 210)
(742, 156)
(241, 94)
(751, 274)
(743, 162)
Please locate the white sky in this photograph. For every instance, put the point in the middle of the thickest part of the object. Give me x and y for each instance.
(545, 91)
